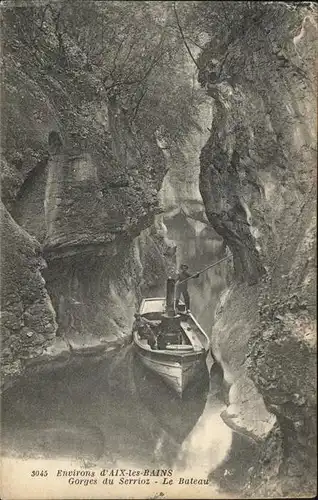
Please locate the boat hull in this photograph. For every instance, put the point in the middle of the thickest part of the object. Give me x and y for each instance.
(185, 348)
(176, 371)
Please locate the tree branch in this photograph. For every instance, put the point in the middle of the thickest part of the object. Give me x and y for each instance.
(142, 78)
(138, 103)
(183, 37)
(195, 43)
(132, 45)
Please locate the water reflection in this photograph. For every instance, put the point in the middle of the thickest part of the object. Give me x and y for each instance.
(208, 443)
(116, 413)
(113, 410)
(176, 416)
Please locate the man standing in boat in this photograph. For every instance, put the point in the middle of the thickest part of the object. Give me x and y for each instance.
(182, 286)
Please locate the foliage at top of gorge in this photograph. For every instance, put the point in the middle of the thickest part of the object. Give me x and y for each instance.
(66, 63)
(63, 60)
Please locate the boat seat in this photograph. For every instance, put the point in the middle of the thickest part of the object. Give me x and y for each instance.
(179, 347)
(154, 317)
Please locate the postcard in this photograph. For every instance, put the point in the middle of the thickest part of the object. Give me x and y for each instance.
(158, 232)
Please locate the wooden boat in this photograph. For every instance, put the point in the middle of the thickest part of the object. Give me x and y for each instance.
(186, 344)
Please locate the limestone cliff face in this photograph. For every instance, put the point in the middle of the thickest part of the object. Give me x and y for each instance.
(180, 188)
(28, 320)
(90, 199)
(94, 268)
(81, 184)
(258, 184)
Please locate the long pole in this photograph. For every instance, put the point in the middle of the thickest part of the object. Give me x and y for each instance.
(205, 269)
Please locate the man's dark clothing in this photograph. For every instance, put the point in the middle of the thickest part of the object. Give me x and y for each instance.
(161, 342)
(145, 331)
(186, 297)
(182, 288)
(152, 341)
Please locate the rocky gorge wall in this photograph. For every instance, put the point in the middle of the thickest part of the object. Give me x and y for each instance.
(28, 320)
(258, 184)
(80, 184)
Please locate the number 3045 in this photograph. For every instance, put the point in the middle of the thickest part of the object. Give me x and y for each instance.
(39, 473)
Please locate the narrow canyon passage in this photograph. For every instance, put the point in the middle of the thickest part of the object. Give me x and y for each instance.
(91, 411)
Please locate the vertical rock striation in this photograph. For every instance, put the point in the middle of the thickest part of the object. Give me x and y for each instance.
(28, 322)
(259, 188)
